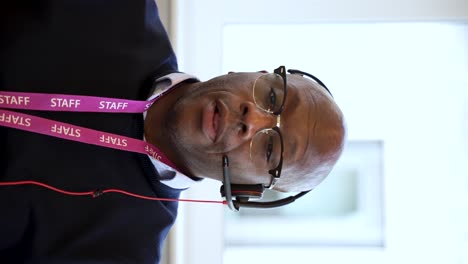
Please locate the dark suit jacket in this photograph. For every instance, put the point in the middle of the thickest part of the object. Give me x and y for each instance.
(113, 48)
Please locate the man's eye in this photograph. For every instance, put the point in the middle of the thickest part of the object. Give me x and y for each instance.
(269, 148)
(272, 98)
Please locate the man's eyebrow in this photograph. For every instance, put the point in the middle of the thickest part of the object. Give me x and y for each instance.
(293, 147)
(309, 127)
(293, 138)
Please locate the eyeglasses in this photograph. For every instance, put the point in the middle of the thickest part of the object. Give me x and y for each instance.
(266, 146)
(269, 94)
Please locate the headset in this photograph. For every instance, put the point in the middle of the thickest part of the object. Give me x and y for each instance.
(242, 193)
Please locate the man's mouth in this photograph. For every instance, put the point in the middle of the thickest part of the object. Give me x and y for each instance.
(212, 121)
(216, 121)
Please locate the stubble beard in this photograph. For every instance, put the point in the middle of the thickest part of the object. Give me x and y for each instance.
(184, 148)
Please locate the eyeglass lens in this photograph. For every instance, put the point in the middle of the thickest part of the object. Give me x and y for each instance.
(265, 147)
(268, 92)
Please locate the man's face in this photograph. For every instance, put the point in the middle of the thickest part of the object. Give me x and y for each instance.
(219, 117)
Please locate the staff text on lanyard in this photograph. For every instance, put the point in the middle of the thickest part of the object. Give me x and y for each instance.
(75, 103)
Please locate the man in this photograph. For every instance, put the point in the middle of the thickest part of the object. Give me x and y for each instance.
(278, 130)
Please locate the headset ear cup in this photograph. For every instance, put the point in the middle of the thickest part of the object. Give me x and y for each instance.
(244, 192)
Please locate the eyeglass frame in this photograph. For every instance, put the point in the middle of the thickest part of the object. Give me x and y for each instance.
(281, 71)
(275, 172)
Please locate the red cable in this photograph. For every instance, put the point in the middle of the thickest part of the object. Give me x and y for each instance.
(98, 193)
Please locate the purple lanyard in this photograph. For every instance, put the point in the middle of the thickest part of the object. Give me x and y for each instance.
(76, 103)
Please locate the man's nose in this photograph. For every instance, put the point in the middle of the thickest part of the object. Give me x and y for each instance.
(254, 119)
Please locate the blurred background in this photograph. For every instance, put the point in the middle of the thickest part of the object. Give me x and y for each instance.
(399, 71)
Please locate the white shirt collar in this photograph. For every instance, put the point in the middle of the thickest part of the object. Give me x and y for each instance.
(169, 176)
